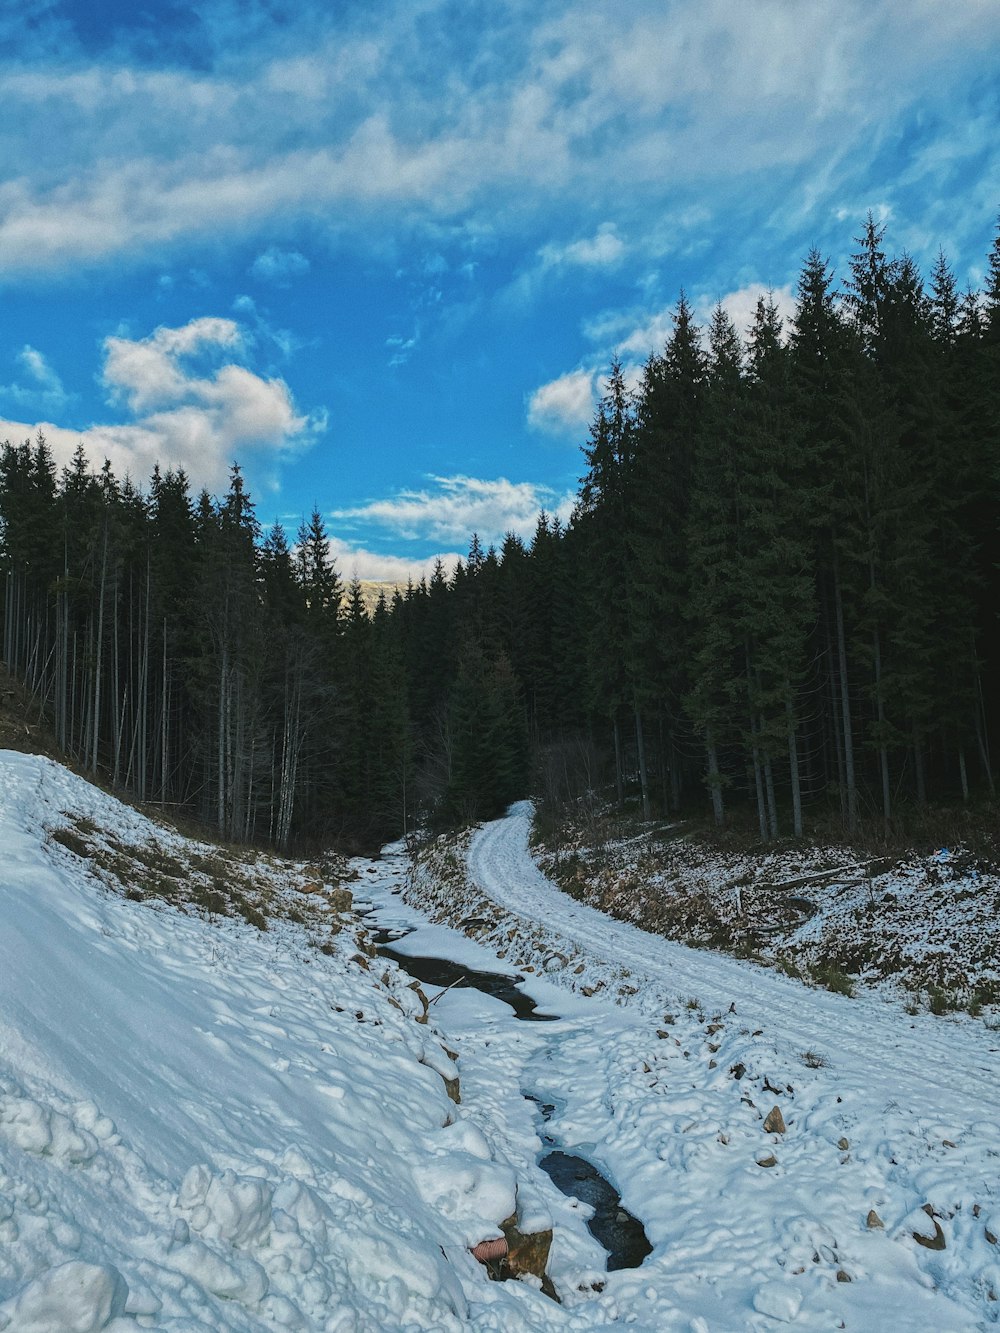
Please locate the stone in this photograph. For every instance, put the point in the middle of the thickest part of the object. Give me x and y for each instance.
(769, 1160)
(527, 1252)
(990, 1236)
(935, 1242)
(844, 1145)
(775, 1122)
(843, 1277)
(874, 1222)
(738, 1070)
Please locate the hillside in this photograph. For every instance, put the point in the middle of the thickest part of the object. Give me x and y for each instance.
(208, 1124)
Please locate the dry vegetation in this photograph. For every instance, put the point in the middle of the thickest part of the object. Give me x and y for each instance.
(924, 921)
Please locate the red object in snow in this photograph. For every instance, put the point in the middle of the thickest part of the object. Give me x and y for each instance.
(490, 1249)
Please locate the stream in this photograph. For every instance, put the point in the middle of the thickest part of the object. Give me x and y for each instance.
(611, 1225)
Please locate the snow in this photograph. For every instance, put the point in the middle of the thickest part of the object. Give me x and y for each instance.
(205, 1126)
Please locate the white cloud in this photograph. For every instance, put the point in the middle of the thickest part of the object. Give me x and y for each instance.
(279, 266)
(741, 305)
(201, 422)
(393, 121)
(358, 562)
(564, 406)
(602, 250)
(453, 508)
(44, 391)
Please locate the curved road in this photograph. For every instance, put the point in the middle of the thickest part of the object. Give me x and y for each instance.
(944, 1069)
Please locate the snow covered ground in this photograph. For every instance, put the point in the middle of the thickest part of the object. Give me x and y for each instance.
(207, 1126)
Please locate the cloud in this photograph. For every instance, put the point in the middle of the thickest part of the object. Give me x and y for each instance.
(603, 250)
(44, 391)
(564, 406)
(451, 509)
(358, 562)
(409, 120)
(279, 266)
(741, 305)
(190, 408)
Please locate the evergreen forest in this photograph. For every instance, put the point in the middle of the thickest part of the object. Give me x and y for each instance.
(777, 596)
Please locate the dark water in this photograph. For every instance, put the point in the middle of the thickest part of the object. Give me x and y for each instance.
(614, 1227)
(442, 973)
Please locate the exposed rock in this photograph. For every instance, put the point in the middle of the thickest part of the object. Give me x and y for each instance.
(844, 1145)
(738, 1070)
(843, 1277)
(874, 1222)
(990, 1236)
(526, 1252)
(775, 1122)
(769, 1160)
(935, 1242)
(418, 992)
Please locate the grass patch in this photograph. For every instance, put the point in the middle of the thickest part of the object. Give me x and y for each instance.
(813, 1060)
(830, 976)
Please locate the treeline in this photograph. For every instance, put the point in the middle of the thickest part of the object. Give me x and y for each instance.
(791, 547)
(778, 588)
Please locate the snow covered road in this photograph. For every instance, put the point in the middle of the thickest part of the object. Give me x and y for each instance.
(927, 1063)
(888, 1118)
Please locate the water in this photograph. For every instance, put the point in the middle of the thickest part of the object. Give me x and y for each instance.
(614, 1227)
(611, 1225)
(443, 973)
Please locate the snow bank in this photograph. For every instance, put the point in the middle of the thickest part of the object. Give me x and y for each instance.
(203, 1125)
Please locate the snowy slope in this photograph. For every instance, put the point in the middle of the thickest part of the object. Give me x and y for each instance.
(205, 1126)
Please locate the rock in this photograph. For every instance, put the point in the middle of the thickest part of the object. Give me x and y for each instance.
(713, 1064)
(738, 1070)
(843, 1277)
(418, 992)
(874, 1222)
(935, 1242)
(775, 1122)
(990, 1236)
(526, 1252)
(769, 1160)
(844, 1145)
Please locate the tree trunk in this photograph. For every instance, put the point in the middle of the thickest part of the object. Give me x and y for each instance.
(618, 763)
(714, 779)
(793, 764)
(845, 705)
(640, 749)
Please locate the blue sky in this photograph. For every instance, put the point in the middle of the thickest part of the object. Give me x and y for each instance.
(380, 253)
